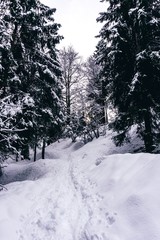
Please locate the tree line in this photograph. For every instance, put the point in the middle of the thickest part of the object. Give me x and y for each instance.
(46, 93)
(31, 76)
(129, 55)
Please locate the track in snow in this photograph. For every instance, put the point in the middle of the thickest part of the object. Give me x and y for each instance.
(64, 206)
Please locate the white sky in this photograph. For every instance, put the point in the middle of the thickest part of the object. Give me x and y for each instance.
(78, 20)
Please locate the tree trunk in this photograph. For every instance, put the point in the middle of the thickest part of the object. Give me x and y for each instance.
(68, 104)
(35, 151)
(104, 106)
(18, 156)
(148, 135)
(105, 113)
(1, 173)
(43, 149)
(25, 151)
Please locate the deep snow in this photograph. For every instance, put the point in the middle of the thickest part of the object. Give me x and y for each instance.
(90, 192)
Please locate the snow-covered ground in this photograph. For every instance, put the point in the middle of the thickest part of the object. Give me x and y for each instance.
(90, 192)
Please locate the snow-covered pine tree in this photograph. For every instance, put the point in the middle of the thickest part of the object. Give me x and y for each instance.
(37, 86)
(114, 54)
(144, 91)
(128, 54)
(9, 104)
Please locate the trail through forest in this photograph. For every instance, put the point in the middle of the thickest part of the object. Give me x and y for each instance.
(81, 192)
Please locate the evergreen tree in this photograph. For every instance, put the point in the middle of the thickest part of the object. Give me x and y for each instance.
(36, 81)
(9, 104)
(129, 55)
(144, 92)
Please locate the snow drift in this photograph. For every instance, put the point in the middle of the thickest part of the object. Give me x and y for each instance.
(90, 192)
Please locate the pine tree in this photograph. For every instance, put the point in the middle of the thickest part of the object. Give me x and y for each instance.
(9, 104)
(144, 93)
(37, 73)
(128, 54)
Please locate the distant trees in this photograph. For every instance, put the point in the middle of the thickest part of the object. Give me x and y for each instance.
(31, 77)
(73, 79)
(83, 94)
(128, 52)
(74, 91)
(95, 91)
(96, 107)
(38, 84)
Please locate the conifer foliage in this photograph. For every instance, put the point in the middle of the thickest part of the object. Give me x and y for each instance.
(30, 79)
(129, 54)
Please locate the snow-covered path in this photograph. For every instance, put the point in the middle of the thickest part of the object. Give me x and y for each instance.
(82, 193)
(62, 208)
(55, 206)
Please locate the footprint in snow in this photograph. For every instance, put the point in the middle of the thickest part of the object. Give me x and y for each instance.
(99, 161)
(110, 218)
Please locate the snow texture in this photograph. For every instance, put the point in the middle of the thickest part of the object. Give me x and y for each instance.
(90, 192)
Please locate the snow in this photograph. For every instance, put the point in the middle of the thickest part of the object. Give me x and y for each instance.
(82, 192)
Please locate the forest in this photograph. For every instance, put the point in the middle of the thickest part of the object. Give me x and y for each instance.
(47, 94)
(87, 130)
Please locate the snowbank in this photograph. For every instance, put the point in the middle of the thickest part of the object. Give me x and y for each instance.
(90, 192)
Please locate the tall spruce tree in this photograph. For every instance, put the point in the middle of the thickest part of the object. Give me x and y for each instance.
(36, 81)
(9, 104)
(144, 91)
(128, 52)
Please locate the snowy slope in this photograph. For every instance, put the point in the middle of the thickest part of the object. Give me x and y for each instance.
(90, 192)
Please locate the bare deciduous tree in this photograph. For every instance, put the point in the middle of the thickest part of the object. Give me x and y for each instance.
(74, 79)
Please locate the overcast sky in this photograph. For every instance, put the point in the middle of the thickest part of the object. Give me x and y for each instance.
(78, 20)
